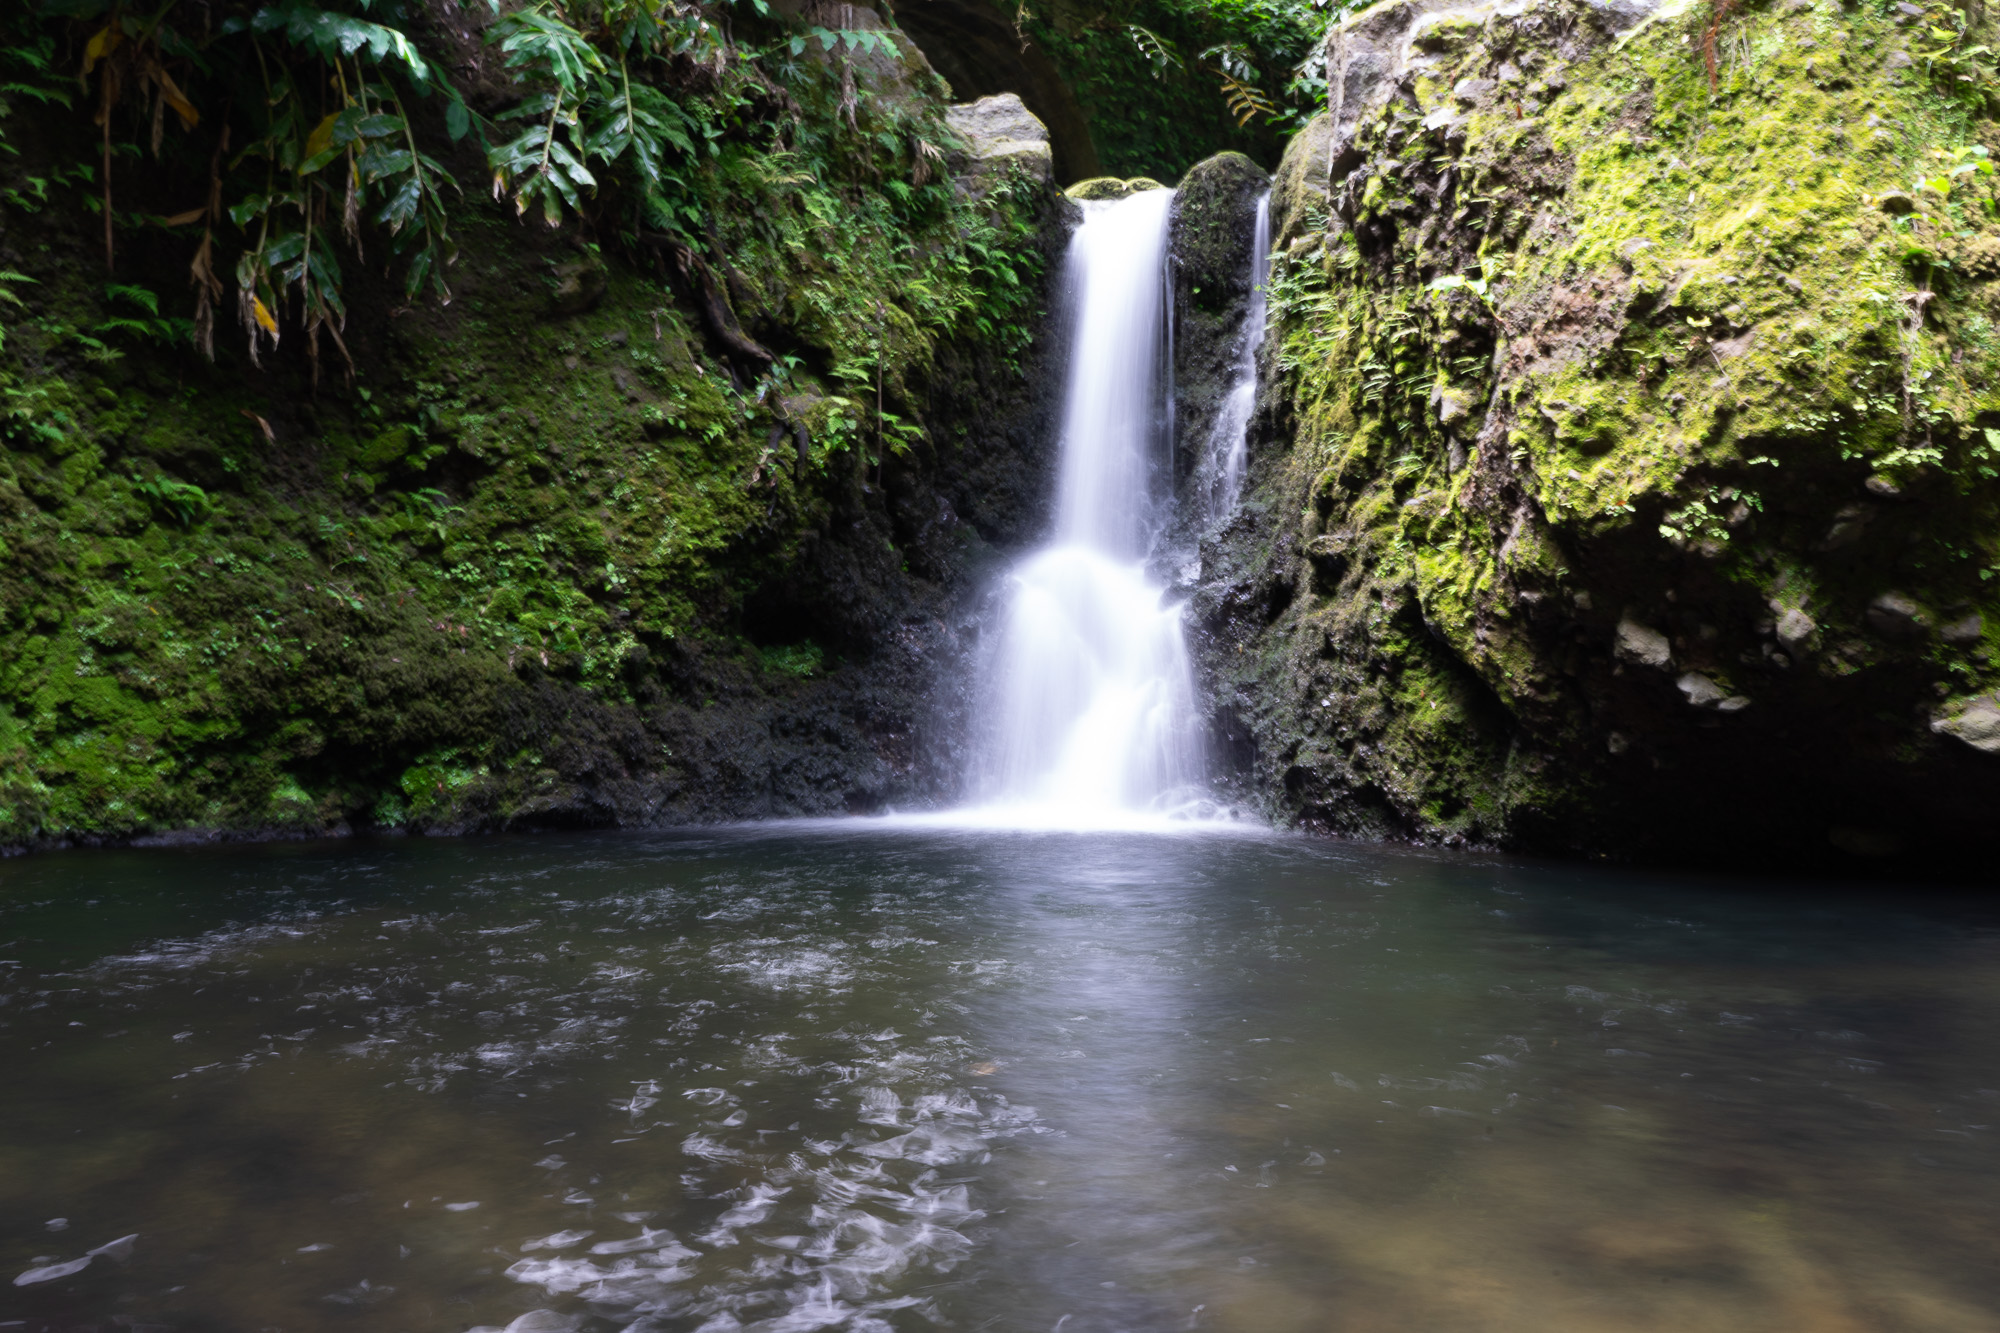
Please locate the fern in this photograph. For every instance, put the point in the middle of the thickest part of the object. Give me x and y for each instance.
(184, 500)
(1157, 50)
(8, 296)
(1246, 103)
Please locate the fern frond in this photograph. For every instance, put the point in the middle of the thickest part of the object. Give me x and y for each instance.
(1245, 102)
(1159, 52)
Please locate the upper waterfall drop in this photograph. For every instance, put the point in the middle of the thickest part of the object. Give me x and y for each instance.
(1090, 698)
(1114, 415)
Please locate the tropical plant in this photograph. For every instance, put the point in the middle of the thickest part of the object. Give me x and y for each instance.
(317, 127)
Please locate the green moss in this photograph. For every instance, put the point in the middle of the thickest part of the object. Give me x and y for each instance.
(1605, 317)
(803, 660)
(530, 503)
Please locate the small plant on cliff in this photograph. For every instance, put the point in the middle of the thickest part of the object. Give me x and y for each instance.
(1966, 70)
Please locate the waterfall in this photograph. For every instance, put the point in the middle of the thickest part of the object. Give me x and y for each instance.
(1089, 697)
(1229, 438)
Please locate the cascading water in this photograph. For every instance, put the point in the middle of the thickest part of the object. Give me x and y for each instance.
(1228, 443)
(1091, 700)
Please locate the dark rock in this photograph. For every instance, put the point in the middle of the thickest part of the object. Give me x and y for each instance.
(1966, 630)
(1848, 525)
(1643, 644)
(579, 285)
(1895, 614)
(1873, 844)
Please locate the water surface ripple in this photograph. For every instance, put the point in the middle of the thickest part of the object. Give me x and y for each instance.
(843, 1076)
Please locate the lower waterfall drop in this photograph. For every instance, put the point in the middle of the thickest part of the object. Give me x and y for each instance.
(1090, 700)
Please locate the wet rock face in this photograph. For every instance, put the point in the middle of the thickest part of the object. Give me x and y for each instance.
(1630, 488)
(1214, 210)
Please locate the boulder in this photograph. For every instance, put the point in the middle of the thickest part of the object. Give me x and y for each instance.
(1899, 616)
(1000, 134)
(1212, 232)
(1214, 212)
(1465, 261)
(1797, 631)
(976, 47)
(1976, 723)
(1102, 188)
(1643, 644)
(1965, 630)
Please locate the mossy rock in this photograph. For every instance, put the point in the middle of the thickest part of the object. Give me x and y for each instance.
(1575, 339)
(1100, 189)
(1214, 213)
(1105, 188)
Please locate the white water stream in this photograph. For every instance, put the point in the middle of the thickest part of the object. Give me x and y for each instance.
(1228, 450)
(1091, 703)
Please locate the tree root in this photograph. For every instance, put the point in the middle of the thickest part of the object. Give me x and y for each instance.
(699, 282)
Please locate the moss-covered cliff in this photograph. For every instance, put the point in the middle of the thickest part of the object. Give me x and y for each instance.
(1626, 483)
(563, 551)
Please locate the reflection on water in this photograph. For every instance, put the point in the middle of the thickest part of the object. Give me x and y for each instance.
(842, 1076)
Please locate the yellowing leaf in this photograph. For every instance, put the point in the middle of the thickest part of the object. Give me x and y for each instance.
(263, 313)
(178, 101)
(182, 219)
(322, 136)
(103, 44)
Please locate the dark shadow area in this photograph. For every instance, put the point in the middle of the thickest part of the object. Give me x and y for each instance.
(978, 51)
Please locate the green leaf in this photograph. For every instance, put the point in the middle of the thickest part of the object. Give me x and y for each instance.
(332, 34)
(402, 205)
(285, 249)
(138, 296)
(529, 38)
